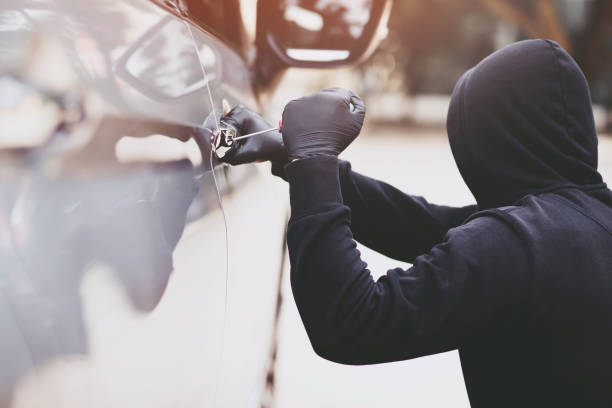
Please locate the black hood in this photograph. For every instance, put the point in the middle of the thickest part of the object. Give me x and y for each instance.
(521, 122)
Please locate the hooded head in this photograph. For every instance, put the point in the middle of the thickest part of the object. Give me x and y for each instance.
(521, 122)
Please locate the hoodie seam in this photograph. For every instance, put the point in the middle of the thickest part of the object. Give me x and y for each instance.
(462, 101)
(561, 88)
(566, 110)
(554, 188)
(567, 203)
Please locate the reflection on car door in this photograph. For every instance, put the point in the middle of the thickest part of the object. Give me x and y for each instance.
(114, 274)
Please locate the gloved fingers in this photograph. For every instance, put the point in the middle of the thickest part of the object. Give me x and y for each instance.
(236, 117)
(245, 120)
(333, 93)
(339, 92)
(267, 147)
(232, 118)
(244, 151)
(359, 106)
(233, 156)
(324, 123)
(350, 97)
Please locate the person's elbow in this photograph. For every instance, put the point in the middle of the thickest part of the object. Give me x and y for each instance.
(336, 352)
(340, 331)
(353, 352)
(338, 342)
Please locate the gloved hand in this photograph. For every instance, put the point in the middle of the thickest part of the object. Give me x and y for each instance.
(266, 147)
(322, 124)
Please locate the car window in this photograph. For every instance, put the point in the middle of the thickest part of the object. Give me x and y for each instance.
(163, 63)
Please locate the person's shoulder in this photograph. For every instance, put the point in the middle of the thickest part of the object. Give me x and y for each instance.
(490, 240)
(493, 230)
(484, 227)
(533, 218)
(489, 219)
(528, 213)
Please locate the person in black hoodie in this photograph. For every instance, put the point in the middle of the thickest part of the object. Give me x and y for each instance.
(520, 283)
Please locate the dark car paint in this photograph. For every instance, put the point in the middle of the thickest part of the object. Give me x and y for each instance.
(68, 210)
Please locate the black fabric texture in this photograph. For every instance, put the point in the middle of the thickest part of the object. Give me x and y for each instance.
(521, 122)
(520, 283)
(322, 124)
(265, 147)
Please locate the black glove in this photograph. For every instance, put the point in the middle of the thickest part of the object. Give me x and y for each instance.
(266, 147)
(323, 123)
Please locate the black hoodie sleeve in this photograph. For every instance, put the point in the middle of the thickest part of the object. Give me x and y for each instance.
(385, 219)
(477, 273)
(396, 224)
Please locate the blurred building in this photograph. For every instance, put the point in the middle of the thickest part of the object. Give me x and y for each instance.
(432, 42)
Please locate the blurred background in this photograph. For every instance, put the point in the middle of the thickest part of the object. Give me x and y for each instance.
(429, 44)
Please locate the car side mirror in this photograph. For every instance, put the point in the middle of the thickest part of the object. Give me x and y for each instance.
(321, 34)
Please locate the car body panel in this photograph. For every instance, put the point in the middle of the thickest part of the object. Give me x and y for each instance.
(112, 238)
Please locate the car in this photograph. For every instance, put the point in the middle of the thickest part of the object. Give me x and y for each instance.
(137, 269)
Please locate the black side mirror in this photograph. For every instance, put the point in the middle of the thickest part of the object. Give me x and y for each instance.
(318, 34)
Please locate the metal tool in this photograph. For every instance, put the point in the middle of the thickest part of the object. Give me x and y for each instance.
(279, 128)
(224, 138)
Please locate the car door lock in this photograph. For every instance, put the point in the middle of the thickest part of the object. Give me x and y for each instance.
(223, 139)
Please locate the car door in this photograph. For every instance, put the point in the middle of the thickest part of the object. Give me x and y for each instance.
(116, 290)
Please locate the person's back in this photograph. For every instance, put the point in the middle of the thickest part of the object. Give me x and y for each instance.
(523, 129)
(558, 349)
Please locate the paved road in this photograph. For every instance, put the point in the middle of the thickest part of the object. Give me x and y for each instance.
(419, 162)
